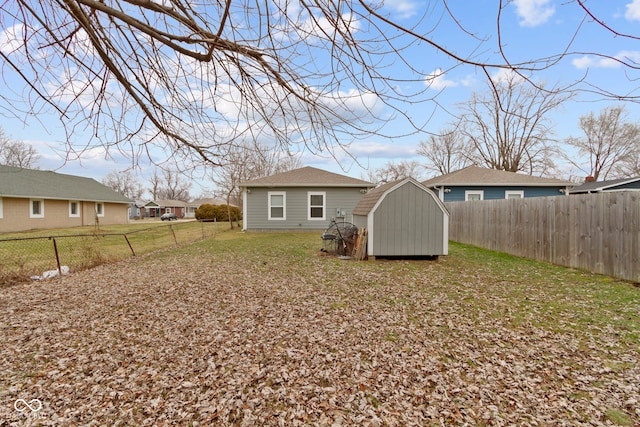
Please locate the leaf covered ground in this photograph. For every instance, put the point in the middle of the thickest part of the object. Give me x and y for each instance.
(263, 329)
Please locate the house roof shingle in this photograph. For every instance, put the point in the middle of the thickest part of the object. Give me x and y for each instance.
(474, 176)
(596, 186)
(30, 183)
(306, 177)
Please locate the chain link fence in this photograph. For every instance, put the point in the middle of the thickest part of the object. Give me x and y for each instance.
(41, 257)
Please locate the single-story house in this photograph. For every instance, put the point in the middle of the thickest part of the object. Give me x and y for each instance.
(178, 207)
(476, 183)
(302, 199)
(403, 219)
(31, 199)
(623, 184)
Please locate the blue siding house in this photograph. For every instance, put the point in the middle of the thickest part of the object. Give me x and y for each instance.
(624, 184)
(476, 183)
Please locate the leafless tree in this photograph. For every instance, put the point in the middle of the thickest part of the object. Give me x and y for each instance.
(393, 171)
(124, 183)
(17, 153)
(508, 127)
(192, 77)
(610, 142)
(169, 185)
(246, 162)
(445, 152)
(155, 183)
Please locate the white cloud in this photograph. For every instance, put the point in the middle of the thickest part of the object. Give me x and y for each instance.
(437, 81)
(402, 8)
(11, 39)
(380, 150)
(633, 11)
(323, 29)
(534, 12)
(590, 61)
(505, 75)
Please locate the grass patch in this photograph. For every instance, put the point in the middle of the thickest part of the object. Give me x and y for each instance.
(618, 417)
(30, 253)
(484, 284)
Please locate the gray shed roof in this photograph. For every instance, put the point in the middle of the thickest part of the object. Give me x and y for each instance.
(30, 183)
(369, 200)
(596, 186)
(477, 176)
(307, 177)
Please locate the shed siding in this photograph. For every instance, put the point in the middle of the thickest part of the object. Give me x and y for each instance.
(495, 193)
(256, 209)
(408, 222)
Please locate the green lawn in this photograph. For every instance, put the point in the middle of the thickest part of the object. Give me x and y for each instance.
(30, 253)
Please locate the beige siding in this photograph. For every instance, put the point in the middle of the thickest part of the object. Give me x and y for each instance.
(56, 215)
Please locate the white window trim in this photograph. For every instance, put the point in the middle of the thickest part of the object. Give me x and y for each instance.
(100, 215)
(468, 193)
(284, 205)
(33, 215)
(508, 193)
(324, 205)
(1, 210)
(77, 214)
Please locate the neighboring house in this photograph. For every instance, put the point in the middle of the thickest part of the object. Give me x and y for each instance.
(136, 209)
(151, 210)
(31, 199)
(178, 207)
(476, 183)
(302, 199)
(403, 218)
(624, 184)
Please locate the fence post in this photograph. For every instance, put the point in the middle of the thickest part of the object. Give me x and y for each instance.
(129, 243)
(55, 249)
(175, 239)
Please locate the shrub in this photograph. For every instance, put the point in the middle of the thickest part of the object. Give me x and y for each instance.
(206, 212)
(209, 212)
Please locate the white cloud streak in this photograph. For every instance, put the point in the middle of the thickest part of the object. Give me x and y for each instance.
(534, 12)
(633, 11)
(590, 61)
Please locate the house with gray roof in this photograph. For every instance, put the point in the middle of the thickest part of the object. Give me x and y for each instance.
(623, 184)
(32, 199)
(476, 183)
(302, 199)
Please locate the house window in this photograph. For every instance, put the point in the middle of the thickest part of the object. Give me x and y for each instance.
(514, 194)
(167, 210)
(100, 209)
(470, 195)
(316, 205)
(74, 209)
(0, 207)
(36, 208)
(277, 205)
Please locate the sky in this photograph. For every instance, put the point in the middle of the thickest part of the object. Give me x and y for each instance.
(437, 84)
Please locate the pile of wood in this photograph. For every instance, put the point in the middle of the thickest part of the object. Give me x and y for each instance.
(360, 246)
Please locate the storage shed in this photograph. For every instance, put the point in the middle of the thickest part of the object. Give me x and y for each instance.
(403, 219)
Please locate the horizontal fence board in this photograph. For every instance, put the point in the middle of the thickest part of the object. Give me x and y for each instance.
(599, 232)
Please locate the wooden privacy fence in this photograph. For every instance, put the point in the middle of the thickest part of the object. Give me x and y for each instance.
(599, 232)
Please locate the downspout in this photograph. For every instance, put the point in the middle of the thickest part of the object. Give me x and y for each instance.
(244, 208)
